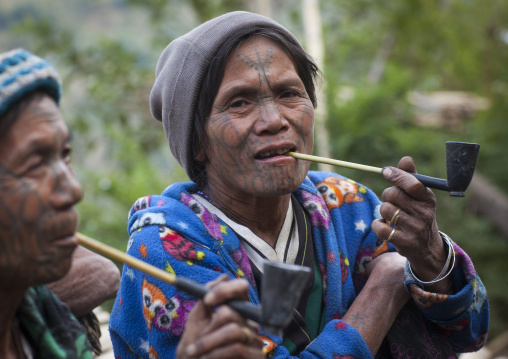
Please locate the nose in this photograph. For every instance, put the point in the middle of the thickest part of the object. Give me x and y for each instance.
(271, 119)
(67, 190)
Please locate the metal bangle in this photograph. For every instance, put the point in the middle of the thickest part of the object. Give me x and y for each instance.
(448, 241)
(440, 277)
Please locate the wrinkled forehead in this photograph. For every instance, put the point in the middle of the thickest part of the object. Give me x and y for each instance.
(39, 122)
(40, 111)
(261, 60)
(261, 48)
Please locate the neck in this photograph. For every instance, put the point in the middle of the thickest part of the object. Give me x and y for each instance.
(262, 215)
(10, 299)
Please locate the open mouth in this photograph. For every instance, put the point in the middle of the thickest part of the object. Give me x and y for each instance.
(274, 153)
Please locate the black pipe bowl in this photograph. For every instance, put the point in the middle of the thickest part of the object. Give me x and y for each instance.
(460, 165)
(281, 288)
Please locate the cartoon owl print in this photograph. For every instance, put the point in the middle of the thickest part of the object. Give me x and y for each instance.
(179, 247)
(179, 317)
(148, 219)
(141, 203)
(337, 191)
(157, 309)
(316, 208)
(210, 220)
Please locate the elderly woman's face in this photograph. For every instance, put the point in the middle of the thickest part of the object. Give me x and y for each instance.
(261, 111)
(37, 196)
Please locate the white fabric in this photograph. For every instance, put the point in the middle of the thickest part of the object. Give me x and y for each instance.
(253, 241)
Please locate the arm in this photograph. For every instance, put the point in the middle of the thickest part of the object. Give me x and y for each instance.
(458, 303)
(91, 280)
(373, 318)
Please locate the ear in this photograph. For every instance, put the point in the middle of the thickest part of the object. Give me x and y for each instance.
(201, 154)
(200, 150)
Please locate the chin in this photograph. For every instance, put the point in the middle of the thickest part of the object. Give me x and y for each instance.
(284, 186)
(53, 274)
(53, 268)
(293, 181)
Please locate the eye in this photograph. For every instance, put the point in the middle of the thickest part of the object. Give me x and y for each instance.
(238, 103)
(66, 153)
(289, 94)
(34, 163)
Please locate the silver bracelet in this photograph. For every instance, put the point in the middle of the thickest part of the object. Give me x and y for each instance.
(450, 253)
(441, 275)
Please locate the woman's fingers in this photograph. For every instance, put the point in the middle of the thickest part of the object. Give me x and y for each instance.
(198, 317)
(402, 178)
(407, 182)
(225, 336)
(222, 317)
(221, 332)
(409, 213)
(222, 278)
(407, 164)
(223, 291)
(392, 214)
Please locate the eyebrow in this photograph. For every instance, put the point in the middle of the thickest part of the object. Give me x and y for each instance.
(41, 144)
(288, 83)
(250, 89)
(238, 90)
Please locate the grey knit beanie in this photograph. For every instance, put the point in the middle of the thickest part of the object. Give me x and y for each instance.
(180, 72)
(21, 72)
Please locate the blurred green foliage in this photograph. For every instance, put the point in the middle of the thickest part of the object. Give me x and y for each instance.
(121, 153)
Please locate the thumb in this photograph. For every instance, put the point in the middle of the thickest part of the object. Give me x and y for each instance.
(407, 164)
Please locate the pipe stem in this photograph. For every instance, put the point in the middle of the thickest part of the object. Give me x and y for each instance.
(339, 163)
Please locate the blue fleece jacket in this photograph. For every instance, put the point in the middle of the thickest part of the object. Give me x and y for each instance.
(174, 232)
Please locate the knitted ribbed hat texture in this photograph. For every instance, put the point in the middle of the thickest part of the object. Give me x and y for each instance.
(180, 72)
(21, 72)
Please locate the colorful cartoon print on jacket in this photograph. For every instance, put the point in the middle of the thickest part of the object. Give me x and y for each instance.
(179, 247)
(165, 314)
(336, 191)
(171, 233)
(316, 207)
(210, 220)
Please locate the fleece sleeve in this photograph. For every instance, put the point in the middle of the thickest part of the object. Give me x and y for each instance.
(463, 316)
(149, 315)
(337, 340)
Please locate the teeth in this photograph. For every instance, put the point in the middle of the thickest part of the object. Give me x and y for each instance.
(274, 152)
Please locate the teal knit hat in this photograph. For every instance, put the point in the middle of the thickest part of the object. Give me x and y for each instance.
(21, 72)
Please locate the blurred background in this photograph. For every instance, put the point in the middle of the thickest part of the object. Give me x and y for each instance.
(400, 78)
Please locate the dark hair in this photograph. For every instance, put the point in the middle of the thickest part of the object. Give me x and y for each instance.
(305, 67)
(8, 119)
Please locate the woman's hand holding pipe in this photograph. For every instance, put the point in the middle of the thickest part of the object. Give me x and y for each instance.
(220, 333)
(416, 234)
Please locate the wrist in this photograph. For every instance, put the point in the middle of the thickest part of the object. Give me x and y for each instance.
(442, 280)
